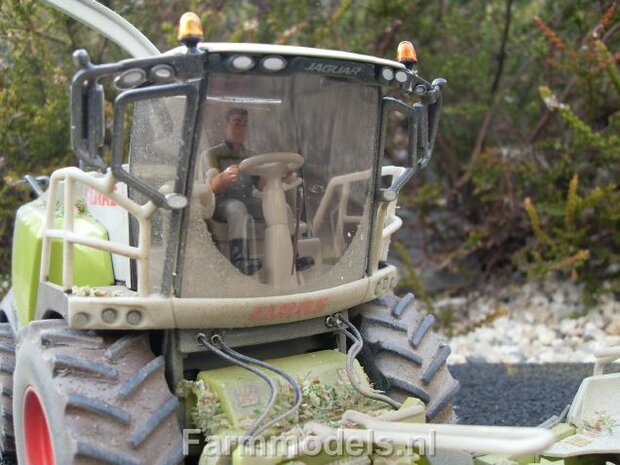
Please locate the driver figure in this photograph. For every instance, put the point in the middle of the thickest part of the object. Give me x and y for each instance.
(234, 203)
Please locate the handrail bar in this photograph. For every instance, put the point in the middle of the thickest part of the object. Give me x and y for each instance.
(103, 184)
(604, 357)
(504, 440)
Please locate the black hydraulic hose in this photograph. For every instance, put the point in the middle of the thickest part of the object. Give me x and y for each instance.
(352, 333)
(286, 376)
(202, 338)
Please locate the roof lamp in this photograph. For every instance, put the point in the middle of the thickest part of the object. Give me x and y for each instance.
(190, 28)
(273, 63)
(387, 73)
(130, 78)
(401, 76)
(406, 53)
(162, 72)
(242, 62)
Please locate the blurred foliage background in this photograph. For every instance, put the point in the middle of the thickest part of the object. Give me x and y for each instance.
(524, 180)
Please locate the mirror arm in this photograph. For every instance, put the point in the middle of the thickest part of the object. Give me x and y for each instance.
(422, 124)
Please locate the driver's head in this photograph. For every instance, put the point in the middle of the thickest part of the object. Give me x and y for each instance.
(236, 125)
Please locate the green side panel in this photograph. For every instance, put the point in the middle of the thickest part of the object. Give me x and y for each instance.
(242, 393)
(596, 459)
(91, 267)
(413, 402)
(563, 430)
(239, 457)
(492, 459)
(25, 261)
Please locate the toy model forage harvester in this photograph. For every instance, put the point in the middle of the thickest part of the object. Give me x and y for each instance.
(132, 317)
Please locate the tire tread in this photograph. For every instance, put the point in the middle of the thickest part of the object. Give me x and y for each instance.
(105, 454)
(7, 367)
(99, 407)
(402, 352)
(134, 382)
(439, 359)
(418, 334)
(79, 387)
(174, 456)
(152, 422)
(402, 305)
(70, 362)
(122, 346)
(404, 357)
(54, 338)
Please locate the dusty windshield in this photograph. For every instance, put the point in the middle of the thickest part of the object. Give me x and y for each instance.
(154, 152)
(281, 198)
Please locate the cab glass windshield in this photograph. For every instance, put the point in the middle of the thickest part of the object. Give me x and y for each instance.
(281, 199)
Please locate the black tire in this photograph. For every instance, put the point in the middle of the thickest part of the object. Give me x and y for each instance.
(403, 356)
(7, 366)
(105, 399)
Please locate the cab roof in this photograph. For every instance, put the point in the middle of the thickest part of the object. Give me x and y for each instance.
(269, 49)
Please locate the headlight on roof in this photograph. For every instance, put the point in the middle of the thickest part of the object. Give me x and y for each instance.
(387, 74)
(273, 64)
(242, 63)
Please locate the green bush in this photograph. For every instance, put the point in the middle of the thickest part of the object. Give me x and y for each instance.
(541, 192)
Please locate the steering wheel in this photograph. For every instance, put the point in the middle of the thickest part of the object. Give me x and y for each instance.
(271, 164)
(278, 246)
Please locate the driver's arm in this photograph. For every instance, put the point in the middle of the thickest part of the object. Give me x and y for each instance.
(224, 178)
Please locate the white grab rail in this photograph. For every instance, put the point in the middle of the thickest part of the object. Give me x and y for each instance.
(504, 440)
(604, 357)
(103, 184)
(392, 223)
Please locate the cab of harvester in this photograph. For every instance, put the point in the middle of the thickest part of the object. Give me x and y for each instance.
(246, 186)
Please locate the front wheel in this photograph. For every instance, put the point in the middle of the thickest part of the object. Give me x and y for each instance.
(82, 398)
(403, 356)
(7, 365)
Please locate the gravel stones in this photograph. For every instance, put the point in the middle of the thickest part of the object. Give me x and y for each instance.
(538, 323)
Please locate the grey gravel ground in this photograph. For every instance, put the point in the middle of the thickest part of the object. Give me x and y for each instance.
(518, 395)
